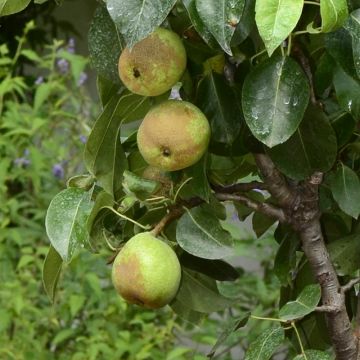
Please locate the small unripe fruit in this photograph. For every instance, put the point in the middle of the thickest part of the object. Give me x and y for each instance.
(173, 135)
(146, 272)
(154, 65)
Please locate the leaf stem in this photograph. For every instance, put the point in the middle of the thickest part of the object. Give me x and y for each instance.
(267, 319)
(299, 340)
(127, 218)
(311, 3)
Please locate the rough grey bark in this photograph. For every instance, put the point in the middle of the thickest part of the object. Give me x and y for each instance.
(300, 203)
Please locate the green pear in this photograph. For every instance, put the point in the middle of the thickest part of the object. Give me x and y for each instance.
(173, 135)
(146, 272)
(153, 65)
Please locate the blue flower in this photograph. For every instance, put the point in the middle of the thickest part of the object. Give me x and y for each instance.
(83, 77)
(39, 80)
(63, 66)
(71, 46)
(22, 162)
(58, 171)
(83, 139)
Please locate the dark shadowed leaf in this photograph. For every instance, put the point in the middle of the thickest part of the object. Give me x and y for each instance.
(261, 223)
(107, 89)
(51, 272)
(345, 187)
(276, 19)
(305, 303)
(345, 254)
(219, 103)
(313, 145)
(313, 355)
(105, 45)
(348, 92)
(339, 46)
(221, 18)
(333, 14)
(274, 98)
(136, 19)
(199, 25)
(182, 310)
(353, 27)
(265, 345)
(199, 233)
(200, 293)
(66, 220)
(216, 269)
(104, 156)
(238, 323)
(344, 126)
(246, 24)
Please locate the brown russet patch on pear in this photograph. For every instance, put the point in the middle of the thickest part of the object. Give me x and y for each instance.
(170, 136)
(154, 48)
(131, 283)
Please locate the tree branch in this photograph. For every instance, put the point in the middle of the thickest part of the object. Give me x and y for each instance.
(264, 208)
(301, 206)
(240, 187)
(350, 284)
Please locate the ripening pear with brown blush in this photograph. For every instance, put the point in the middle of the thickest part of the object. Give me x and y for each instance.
(173, 135)
(153, 65)
(146, 272)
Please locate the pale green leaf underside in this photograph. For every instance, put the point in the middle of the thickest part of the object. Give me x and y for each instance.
(276, 19)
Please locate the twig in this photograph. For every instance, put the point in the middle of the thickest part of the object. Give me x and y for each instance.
(327, 308)
(264, 208)
(350, 284)
(240, 187)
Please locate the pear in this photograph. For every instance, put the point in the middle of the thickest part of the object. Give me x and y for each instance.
(146, 271)
(173, 135)
(153, 65)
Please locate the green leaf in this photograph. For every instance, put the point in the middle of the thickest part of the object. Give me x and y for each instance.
(76, 302)
(313, 355)
(81, 181)
(220, 105)
(261, 223)
(276, 19)
(345, 187)
(51, 272)
(215, 269)
(235, 325)
(345, 254)
(333, 14)
(199, 26)
(305, 303)
(274, 98)
(105, 45)
(353, 26)
(200, 293)
(347, 92)
(246, 24)
(107, 89)
(136, 19)
(138, 185)
(221, 18)
(104, 156)
(313, 145)
(186, 313)
(8, 7)
(265, 345)
(199, 233)
(66, 220)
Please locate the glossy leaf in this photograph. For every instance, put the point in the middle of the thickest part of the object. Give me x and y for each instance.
(266, 344)
(238, 323)
(345, 187)
(8, 7)
(246, 24)
(51, 272)
(274, 98)
(314, 355)
(219, 103)
(221, 18)
(276, 19)
(305, 304)
(345, 254)
(200, 293)
(66, 220)
(199, 25)
(313, 147)
(105, 45)
(199, 233)
(333, 14)
(104, 156)
(353, 26)
(348, 92)
(136, 19)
